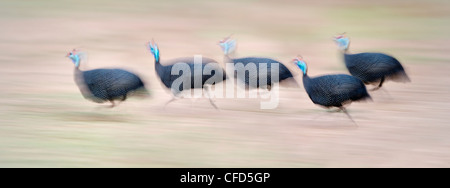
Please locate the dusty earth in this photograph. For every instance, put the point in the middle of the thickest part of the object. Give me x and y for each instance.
(45, 122)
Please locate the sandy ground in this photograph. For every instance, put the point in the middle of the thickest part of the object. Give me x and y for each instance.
(45, 122)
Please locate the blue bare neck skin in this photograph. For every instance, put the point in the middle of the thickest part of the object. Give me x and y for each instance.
(346, 51)
(306, 79)
(158, 67)
(157, 58)
(156, 54)
(76, 60)
(302, 67)
(343, 44)
(228, 47)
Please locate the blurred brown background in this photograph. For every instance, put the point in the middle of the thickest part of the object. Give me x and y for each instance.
(45, 122)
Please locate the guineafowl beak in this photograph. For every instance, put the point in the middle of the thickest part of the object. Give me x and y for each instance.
(226, 39)
(222, 41)
(342, 35)
(298, 58)
(151, 44)
(71, 52)
(335, 39)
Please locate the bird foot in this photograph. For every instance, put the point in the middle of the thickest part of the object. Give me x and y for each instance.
(333, 110)
(374, 89)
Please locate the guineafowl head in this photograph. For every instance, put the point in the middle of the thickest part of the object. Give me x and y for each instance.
(301, 64)
(74, 56)
(342, 41)
(228, 45)
(153, 47)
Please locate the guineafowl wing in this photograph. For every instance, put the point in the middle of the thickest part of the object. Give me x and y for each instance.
(284, 72)
(381, 63)
(348, 88)
(343, 83)
(212, 74)
(318, 90)
(250, 67)
(335, 90)
(109, 84)
(371, 67)
(188, 70)
(253, 76)
(388, 67)
(121, 82)
(319, 96)
(96, 81)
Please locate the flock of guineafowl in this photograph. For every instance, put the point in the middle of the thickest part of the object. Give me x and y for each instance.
(103, 85)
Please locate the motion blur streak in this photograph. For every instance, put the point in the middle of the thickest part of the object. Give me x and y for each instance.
(46, 122)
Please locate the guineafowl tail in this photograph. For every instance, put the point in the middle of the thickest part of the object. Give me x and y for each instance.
(365, 99)
(289, 83)
(399, 76)
(141, 92)
(361, 95)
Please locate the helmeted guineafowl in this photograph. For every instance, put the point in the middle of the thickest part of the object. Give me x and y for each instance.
(332, 90)
(371, 68)
(254, 80)
(101, 85)
(201, 76)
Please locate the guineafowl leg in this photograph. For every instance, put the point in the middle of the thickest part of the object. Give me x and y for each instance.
(387, 93)
(348, 115)
(381, 82)
(320, 114)
(209, 97)
(264, 93)
(171, 100)
(193, 101)
(119, 101)
(112, 104)
(326, 112)
(336, 110)
(379, 85)
(267, 91)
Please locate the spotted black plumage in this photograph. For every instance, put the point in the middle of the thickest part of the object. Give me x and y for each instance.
(206, 73)
(255, 80)
(372, 68)
(333, 90)
(102, 85)
(375, 67)
(253, 65)
(196, 72)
